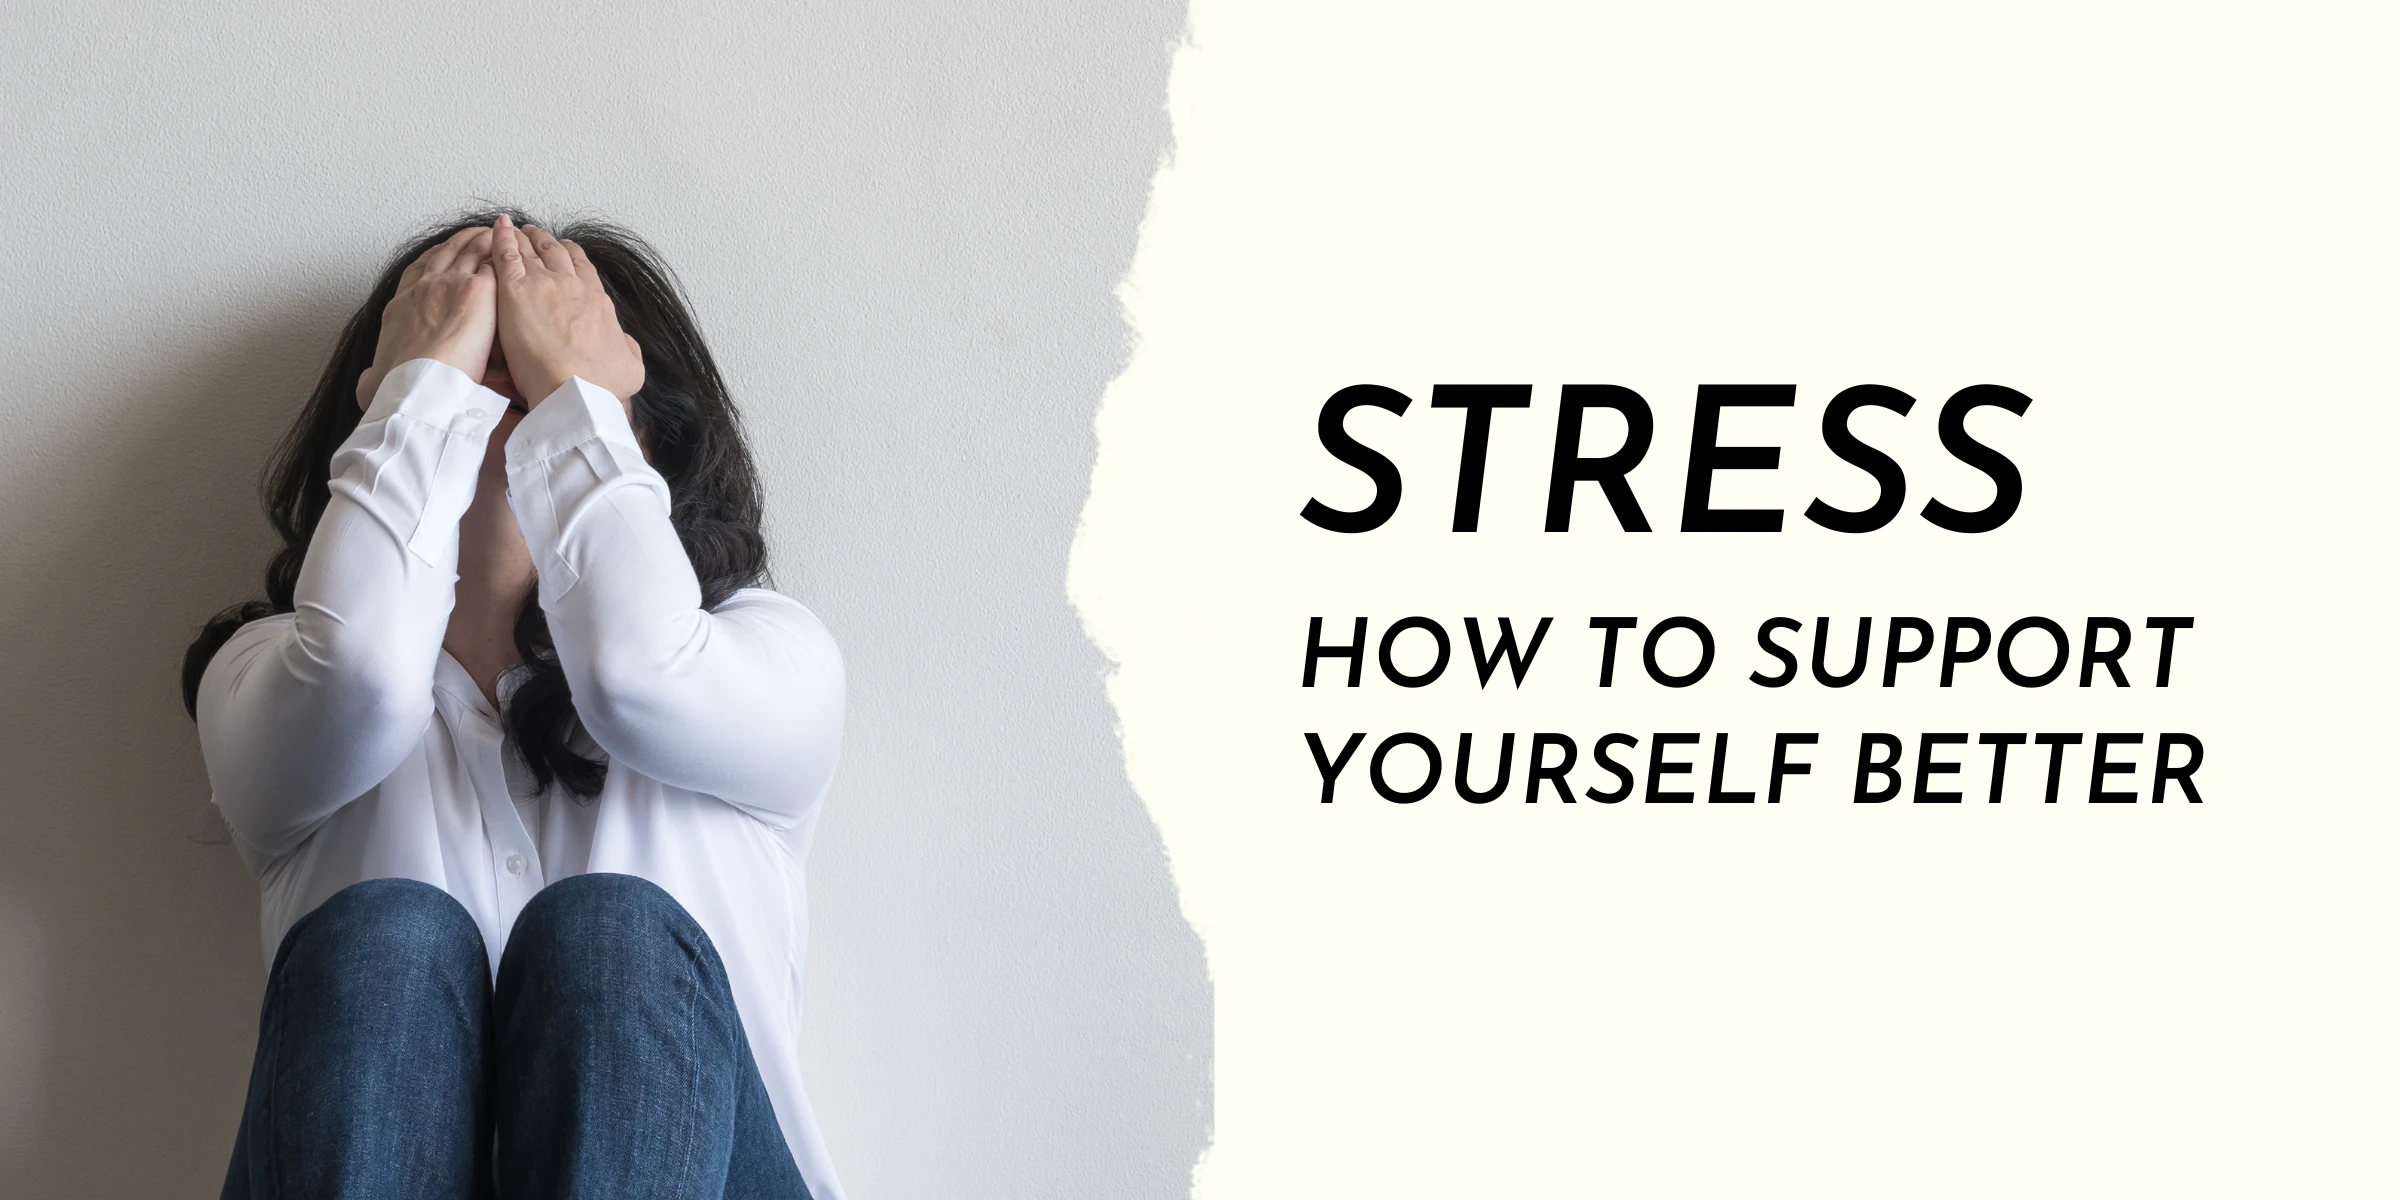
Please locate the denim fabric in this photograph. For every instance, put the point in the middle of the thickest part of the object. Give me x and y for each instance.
(623, 1069)
(609, 1060)
(373, 1050)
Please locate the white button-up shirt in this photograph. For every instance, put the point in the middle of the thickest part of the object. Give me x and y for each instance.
(343, 743)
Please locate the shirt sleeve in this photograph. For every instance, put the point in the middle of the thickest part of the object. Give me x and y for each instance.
(302, 712)
(743, 702)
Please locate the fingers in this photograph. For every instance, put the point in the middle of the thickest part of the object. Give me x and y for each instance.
(438, 258)
(530, 258)
(477, 249)
(435, 259)
(509, 250)
(508, 259)
(483, 252)
(553, 255)
(583, 263)
(474, 252)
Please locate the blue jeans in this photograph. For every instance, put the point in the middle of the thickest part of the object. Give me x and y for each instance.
(607, 1060)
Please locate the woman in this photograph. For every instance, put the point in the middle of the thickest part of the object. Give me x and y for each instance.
(523, 759)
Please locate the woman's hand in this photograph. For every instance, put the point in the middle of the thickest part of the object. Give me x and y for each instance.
(444, 310)
(555, 319)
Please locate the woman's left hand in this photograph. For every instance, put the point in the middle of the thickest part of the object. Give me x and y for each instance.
(555, 319)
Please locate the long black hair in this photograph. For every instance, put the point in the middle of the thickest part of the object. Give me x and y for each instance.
(683, 409)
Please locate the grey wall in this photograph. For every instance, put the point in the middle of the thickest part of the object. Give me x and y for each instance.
(902, 224)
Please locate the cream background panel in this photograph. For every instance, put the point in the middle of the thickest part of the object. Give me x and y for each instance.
(2166, 225)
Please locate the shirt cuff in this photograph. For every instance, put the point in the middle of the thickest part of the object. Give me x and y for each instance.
(432, 392)
(564, 460)
(574, 414)
(427, 498)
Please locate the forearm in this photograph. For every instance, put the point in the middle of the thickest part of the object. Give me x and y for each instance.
(301, 714)
(744, 702)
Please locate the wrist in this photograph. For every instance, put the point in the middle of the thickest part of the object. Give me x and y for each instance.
(468, 353)
(539, 385)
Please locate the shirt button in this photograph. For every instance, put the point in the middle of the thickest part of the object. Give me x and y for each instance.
(474, 414)
(516, 864)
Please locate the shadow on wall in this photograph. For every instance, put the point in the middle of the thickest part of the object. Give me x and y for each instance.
(129, 957)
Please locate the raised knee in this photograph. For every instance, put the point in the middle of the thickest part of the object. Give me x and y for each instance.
(587, 914)
(600, 957)
(386, 924)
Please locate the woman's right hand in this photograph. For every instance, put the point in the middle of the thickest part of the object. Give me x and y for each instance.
(444, 311)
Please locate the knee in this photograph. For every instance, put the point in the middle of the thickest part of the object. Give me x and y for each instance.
(602, 922)
(385, 930)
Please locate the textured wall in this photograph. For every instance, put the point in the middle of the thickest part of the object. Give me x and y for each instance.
(902, 224)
